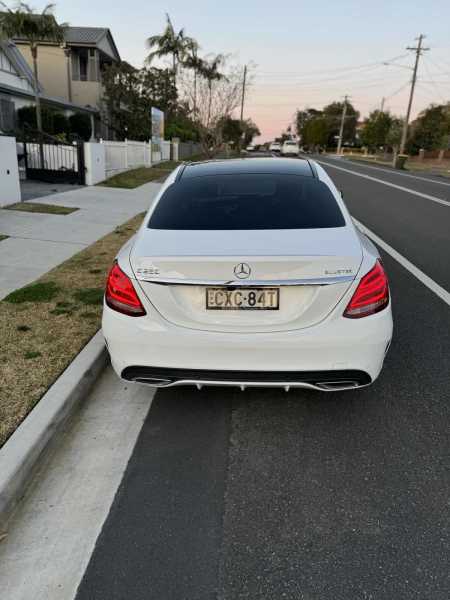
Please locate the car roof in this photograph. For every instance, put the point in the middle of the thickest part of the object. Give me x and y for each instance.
(285, 166)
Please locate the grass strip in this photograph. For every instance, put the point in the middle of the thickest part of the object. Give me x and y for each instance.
(36, 207)
(45, 325)
(136, 177)
(411, 166)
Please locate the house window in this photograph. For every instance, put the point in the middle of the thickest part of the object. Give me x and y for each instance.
(7, 115)
(83, 65)
(5, 64)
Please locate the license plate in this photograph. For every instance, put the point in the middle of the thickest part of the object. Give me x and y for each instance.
(243, 299)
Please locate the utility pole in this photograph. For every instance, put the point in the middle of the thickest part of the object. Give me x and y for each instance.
(382, 104)
(243, 92)
(341, 129)
(418, 50)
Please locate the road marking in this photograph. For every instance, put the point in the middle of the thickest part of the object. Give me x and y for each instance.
(401, 173)
(388, 183)
(430, 283)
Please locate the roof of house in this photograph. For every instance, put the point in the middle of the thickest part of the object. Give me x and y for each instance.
(84, 35)
(90, 36)
(18, 61)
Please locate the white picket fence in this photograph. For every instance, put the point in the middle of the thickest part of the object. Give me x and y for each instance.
(129, 154)
(126, 155)
(165, 150)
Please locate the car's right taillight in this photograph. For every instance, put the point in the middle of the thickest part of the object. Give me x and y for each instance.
(371, 295)
(120, 294)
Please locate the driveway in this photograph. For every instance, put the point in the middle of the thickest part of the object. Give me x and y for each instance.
(38, 242)
(30, 190)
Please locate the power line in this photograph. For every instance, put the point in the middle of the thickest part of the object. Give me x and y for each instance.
(433, 82)
(335, 69)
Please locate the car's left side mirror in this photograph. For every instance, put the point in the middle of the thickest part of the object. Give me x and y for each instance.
(341, 193)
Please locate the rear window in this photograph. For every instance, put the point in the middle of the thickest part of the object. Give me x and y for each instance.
(247, 201)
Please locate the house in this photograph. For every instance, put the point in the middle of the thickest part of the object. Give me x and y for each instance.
(16, 84)
(73, 71)
(17, 89)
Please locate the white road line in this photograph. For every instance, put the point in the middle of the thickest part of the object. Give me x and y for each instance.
(430, 283)
(388, 183)
(400, 173)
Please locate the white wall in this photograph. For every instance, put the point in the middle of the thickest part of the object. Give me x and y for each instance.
(9, 172)
(95, 162)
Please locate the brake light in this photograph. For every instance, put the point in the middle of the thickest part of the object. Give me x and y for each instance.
(371, 295)
(120, 294)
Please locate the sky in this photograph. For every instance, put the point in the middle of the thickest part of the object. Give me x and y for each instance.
(305, 54)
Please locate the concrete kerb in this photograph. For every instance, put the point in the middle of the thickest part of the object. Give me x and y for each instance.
(21, 454)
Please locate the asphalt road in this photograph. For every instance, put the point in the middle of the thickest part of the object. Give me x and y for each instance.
(264, 494)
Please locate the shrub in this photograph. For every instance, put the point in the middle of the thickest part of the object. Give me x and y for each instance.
(80, 124)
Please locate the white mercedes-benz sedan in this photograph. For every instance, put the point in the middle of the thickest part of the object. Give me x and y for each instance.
(248, 272)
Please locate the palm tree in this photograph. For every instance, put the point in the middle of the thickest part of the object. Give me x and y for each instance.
(33, 27)
(169, 43)
(197, 64)
(210, 72)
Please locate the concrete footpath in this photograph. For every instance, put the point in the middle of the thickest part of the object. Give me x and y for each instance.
(51, 538)
(39, 242)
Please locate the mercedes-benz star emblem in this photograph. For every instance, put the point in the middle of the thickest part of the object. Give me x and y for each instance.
(242, 271)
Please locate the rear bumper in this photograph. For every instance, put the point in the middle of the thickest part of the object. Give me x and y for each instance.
(319, 380)
(332, 351)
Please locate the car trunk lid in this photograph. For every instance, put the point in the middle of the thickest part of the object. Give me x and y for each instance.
(313, 268)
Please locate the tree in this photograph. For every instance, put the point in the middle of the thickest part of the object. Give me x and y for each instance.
(218, 95)
(302, 119)
(250, 130)
(196, 64)
(333, 115)
(376, 129)
(169, 43)
(235, 131)
(394, 135)
(80, 125)
(129, 94)
(317, 132)
(24, 23)
(232, 130)
(210, 72)
(431, 129)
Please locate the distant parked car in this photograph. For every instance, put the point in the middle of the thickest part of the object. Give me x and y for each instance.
(290, 148)
(275, 147)
(250, 148)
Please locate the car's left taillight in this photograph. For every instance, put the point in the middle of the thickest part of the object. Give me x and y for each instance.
(371, 295)
(120, 294)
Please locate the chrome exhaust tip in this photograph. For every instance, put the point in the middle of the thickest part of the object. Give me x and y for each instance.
(337, 385)
(153, 381)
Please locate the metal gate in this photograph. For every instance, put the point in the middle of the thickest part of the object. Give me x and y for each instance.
(48, 159)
